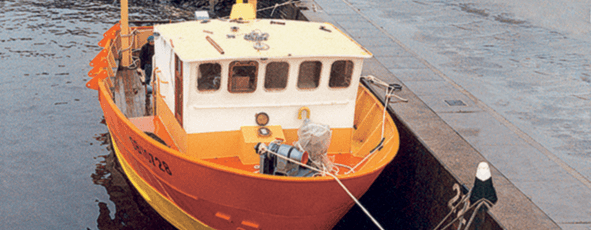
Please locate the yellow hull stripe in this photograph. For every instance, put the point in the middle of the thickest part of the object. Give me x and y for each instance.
(163, 206)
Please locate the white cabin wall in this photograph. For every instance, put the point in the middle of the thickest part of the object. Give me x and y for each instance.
(224, 111)
(196, 97)
(164, 63)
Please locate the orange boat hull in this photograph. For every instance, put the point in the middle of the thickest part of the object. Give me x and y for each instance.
(193, 193)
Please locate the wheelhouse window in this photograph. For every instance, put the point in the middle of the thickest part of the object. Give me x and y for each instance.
(340, 74)
(309, 76)
(276, 75)
(243, 76)
(209, 76)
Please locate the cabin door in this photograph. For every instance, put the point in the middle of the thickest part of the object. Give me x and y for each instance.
(178, 88)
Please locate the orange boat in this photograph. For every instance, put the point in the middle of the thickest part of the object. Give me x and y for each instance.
(256, 124)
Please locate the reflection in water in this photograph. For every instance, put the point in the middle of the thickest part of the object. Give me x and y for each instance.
(131, 210)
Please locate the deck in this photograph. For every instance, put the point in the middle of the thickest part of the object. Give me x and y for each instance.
(130, 95)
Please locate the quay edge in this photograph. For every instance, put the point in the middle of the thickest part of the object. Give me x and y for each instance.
(432, 158)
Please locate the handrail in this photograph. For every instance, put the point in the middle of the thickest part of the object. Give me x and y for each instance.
(105, 60)
(157, 71)
(108, 58)
(158, 78)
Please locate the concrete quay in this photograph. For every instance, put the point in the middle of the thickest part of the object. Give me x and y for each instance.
(485, 82)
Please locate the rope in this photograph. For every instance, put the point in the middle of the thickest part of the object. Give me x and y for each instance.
(134, 62)
(324, 172)
(275, 6)
(267, 8)
(476, 206)
(462, 201)
(273, 11)
(389, 94)
(134, 32)
(132, 41)
(480, 202)
(376, 81)
(342, 165)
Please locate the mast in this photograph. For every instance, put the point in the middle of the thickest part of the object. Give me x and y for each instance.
(125, 44)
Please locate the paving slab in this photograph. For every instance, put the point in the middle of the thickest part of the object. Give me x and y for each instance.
(415, 74)
(455, 103)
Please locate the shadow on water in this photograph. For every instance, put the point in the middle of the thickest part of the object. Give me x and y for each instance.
(131, 210)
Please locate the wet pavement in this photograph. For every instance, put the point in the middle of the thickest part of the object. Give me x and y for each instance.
(512, 79)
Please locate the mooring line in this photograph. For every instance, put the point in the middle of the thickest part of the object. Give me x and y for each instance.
(338, 181)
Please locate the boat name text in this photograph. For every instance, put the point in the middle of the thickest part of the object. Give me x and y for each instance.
(151, 158)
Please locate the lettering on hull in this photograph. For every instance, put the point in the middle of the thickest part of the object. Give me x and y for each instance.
(160, 164)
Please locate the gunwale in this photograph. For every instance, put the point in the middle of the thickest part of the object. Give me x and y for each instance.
(103, 92)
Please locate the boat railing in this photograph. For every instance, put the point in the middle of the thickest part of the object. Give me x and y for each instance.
(139, 37)
(106, 62)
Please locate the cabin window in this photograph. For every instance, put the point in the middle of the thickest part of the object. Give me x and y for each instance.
(340, 74)
(276, 75)
(309, 76)
(209, 75)
(243, 76)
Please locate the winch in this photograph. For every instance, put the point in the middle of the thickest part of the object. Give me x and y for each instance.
(272, 164)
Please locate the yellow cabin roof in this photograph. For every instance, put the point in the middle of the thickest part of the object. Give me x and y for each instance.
(285, 39)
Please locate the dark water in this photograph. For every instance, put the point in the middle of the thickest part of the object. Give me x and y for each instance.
(131, 211)
(57, 171)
